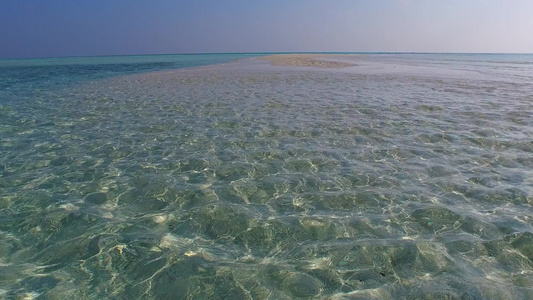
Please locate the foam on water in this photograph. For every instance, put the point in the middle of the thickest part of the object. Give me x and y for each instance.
(402, 177)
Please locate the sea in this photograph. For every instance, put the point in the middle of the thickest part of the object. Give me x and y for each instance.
(221, 176)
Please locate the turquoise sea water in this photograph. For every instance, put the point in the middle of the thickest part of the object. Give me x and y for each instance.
(403, 177)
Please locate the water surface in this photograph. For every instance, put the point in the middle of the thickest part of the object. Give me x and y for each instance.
(406, 176)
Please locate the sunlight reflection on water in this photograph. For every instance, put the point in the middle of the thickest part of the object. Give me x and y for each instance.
(251, 181)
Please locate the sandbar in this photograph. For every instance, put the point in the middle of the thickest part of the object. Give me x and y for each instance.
(306, 60)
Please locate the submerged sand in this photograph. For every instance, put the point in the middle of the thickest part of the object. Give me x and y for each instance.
(306, 60)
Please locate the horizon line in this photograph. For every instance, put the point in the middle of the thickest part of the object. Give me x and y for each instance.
(268, 53)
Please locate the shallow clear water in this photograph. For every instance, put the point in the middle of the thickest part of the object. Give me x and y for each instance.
(407, 176)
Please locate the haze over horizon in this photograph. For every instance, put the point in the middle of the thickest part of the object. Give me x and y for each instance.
(64, 28)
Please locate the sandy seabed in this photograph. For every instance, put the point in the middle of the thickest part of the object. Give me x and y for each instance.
(403, 177)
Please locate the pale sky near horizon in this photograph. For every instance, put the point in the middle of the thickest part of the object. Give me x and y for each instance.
(51, 28)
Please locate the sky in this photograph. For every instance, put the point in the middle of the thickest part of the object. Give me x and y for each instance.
(55, 28)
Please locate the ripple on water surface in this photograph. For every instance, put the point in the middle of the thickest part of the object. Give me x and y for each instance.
(234, 183)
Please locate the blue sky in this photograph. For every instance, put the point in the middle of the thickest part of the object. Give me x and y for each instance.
(49, 28)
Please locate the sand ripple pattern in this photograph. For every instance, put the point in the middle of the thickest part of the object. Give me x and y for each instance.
(233, 183)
